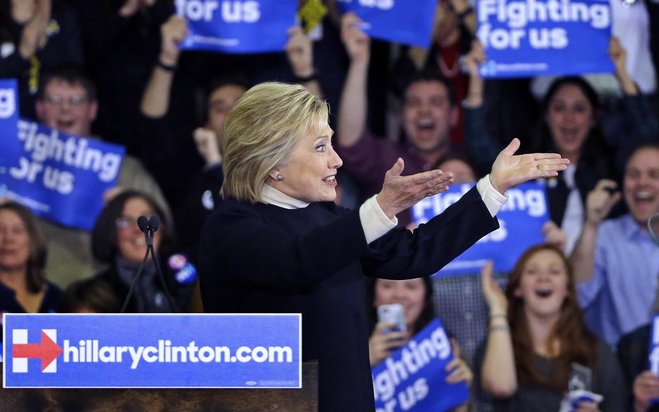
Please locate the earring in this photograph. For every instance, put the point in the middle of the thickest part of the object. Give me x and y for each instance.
(279, 178)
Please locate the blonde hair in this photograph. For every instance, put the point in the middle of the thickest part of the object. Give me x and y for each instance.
(260, 134)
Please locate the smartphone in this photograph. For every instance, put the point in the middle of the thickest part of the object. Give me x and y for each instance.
(393, 313)
(580, 377)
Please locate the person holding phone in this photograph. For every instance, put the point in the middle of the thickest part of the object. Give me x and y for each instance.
(414, 297)
(536, 333)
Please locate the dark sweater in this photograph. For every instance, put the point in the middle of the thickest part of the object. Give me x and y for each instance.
(266, 259)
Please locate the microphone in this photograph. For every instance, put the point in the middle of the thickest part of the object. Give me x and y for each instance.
(149, 226)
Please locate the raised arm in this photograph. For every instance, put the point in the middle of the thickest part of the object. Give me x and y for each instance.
(482, 147)
(353, 106)
(599, 202)
(299, 50)
(498, 374)
(155, 100)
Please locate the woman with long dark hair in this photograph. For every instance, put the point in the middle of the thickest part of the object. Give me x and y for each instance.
(536, 333)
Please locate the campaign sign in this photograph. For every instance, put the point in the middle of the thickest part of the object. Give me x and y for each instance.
(8, 122)
(152, 351)
(653, 353)
(413, 378)
(524, 38)
(248, 26)
(59, 177)
(397, 21)
(520, 220)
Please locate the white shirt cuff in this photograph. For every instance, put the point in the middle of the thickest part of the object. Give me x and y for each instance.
(493, 200)
(375, 222)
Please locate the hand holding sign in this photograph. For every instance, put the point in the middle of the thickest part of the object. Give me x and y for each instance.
(646, 389)
(356, 42)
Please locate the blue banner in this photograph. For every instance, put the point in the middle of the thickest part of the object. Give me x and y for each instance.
(521, 220)
(397, 21)
(59, 177)
(152, 351)
(250, 26)
(524, 38)
(413, 378)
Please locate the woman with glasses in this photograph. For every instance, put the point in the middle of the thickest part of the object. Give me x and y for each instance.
(118, 242)
(23, 284)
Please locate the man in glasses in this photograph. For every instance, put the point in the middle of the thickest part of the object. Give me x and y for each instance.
(66, 101)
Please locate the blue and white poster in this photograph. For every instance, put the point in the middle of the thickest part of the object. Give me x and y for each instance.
(397, 21)
(524, 38)
(520, 220)
(152, 351)
(413, 378)
(59, 177)
(248, 26)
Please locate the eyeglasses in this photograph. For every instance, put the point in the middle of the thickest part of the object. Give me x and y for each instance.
(124, 222)
(57, 100)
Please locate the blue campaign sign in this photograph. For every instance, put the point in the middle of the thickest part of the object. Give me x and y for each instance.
(59, 177)
(544, 37)
(397, 21)
(520, 220)
(153, 351)
(248, 26)
(8, 123)
(413, 378)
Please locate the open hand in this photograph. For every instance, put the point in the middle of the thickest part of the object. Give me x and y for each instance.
(400, 192)
(510, 170)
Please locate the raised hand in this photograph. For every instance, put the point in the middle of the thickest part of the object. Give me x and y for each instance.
(400, 192)
(299, 51)
(554, 235)
(646, 388)
(494, 296)
(600, 200)
(510, 170)
(356, 42)
(172, 32)
(207, 145)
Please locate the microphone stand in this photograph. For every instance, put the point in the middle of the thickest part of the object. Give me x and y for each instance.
(149, 227)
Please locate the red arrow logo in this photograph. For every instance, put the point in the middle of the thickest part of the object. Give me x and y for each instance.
(47, 350)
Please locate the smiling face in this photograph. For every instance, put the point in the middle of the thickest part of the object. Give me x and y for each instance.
(310, 174)
(428, 115)
(641, 184)
(14, 241)
(66, 107)
(410, 293)
(131, 242)
(543, 285)
(569, 116)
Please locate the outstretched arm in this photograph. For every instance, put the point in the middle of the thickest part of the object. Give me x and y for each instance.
(353, 107)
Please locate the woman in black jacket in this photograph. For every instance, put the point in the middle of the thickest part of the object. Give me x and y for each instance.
(118, 241)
